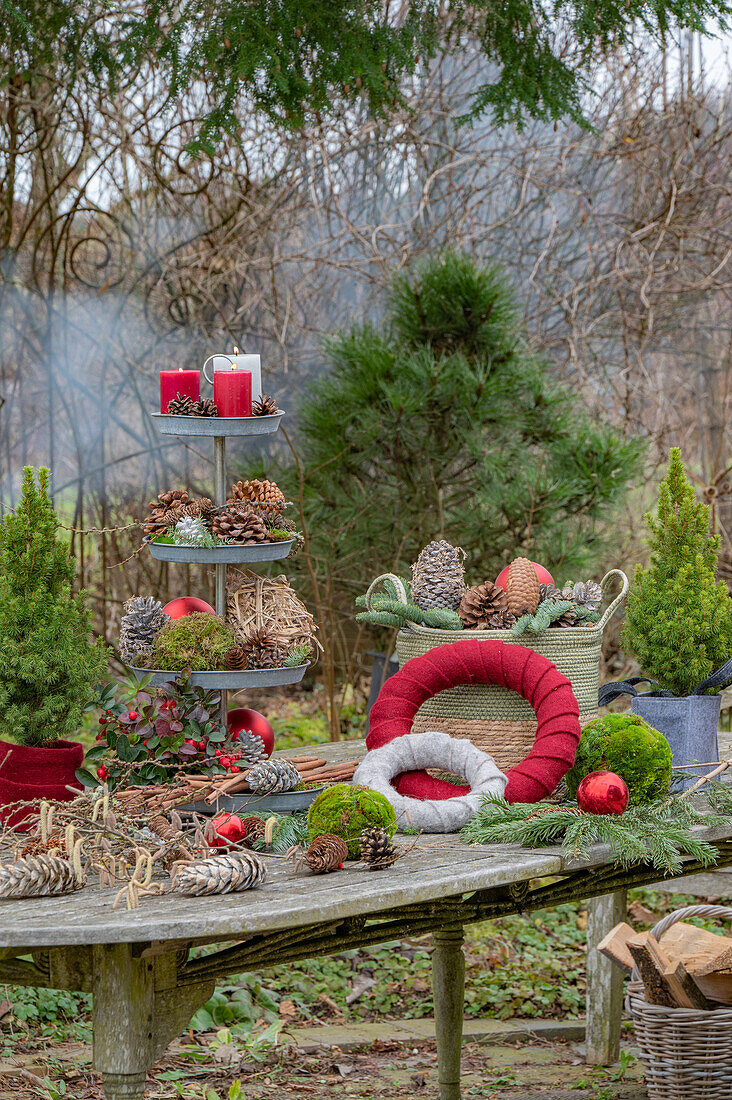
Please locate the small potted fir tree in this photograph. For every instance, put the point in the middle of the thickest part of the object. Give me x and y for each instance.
(679, 622)
(48, 660)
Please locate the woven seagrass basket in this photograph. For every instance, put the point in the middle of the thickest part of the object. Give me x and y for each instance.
(494, 718)
(686, 1052)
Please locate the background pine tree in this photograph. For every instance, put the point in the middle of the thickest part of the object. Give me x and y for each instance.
(679, 618)
(441, 422)
(48, 661)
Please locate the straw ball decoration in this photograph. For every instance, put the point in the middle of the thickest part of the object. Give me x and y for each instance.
(256, 603)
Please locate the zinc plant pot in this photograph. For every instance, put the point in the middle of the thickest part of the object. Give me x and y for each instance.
(31, 773)
(689, 724)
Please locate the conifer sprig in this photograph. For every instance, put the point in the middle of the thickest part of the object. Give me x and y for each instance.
(659, 833)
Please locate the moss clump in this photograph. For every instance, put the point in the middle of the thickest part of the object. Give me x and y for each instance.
(627, 745)
(346, 811)
(199, 641)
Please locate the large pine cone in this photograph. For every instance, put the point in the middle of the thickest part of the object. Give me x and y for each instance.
(267, 496)
(239, 523)
(522, 588)
(483, 607)
(438, 576)
(273, 777)
(157, 522)
(262, 649)
(222, 874)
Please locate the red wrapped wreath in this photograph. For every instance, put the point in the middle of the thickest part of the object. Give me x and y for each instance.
(476, 662)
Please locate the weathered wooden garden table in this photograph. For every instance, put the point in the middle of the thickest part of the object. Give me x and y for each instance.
(147, 984)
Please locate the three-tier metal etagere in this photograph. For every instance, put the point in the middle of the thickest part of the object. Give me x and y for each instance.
(220, 429)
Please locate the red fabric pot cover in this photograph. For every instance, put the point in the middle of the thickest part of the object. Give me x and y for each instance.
(476, 662)
(32, 773)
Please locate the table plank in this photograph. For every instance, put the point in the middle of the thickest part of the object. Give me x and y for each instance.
(437, 868)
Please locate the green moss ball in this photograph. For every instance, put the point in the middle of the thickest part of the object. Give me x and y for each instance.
(199, 641)
(627, 745)
(346, 811)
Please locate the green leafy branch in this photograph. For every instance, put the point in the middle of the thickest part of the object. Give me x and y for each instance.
(389, 611)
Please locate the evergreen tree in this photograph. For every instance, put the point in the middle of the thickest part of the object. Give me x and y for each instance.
(441, 423)
(679, 617)
(48, 662)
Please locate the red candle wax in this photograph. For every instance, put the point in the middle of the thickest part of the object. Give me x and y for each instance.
(185, 382)
(233, 392)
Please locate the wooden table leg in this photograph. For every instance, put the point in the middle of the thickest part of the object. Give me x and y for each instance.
(448, 985)
(604, 981)
(123, 1019)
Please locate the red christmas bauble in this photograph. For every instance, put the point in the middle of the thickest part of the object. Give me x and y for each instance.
(242, 718)
(186, 605)
(229, 830)
(602, 793)
(543, 574)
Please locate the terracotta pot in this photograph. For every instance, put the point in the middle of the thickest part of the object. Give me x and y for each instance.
(32, 773)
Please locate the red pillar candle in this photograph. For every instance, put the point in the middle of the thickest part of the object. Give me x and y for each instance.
(185, 382)
(233, 392)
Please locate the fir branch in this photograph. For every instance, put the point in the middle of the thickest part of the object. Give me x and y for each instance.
(659, 833)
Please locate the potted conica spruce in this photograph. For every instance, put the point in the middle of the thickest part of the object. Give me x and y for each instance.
(49, 661)
(679, 625)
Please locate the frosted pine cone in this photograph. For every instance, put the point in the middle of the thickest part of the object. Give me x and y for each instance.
(225, 874)
(586, 594)
(40, 876)
(273, 777)
(438, 576)
(143, 618)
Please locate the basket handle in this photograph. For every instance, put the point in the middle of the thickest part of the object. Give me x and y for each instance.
(670, 919)
(612, 607)
(398, 584)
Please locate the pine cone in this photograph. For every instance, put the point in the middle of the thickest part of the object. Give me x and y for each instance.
(549, 592)
(206, 407)
(156, 523)
(202, 507)
(143, 618)
(438, 576)
(266, 496)
(236, 659)
(326, 853)
(40, 876)
(273, 777)
(522, 588)
(253, 830)
(250, 749)
(583, 594)
(481, 604)
(182, 406)
(239, 523)
(264, 406)
(225, 874)
(377, 849)
(567, 618)
(262, 649)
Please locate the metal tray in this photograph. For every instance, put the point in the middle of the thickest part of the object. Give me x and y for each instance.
(218, 425)
(234, 681)
(288, 803)
(260, 551)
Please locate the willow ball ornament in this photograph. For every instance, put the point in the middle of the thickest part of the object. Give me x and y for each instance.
(602, 793)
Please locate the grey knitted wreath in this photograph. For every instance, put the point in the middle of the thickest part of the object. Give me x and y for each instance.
(431, 749)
